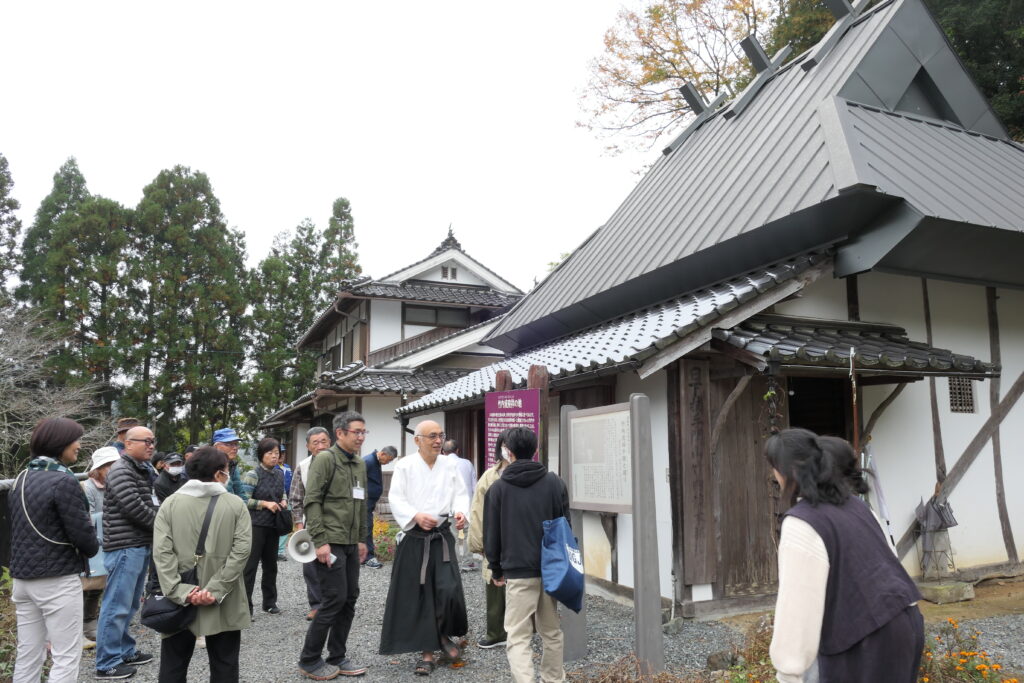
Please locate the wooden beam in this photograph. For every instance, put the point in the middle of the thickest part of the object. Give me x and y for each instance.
(877, 412)
(723, 414)
(756, 361)
(538, 378)
(852, 299)
(992, 299)
(940, 454)
(700, 557)
(675, 479)
(969, 455)
(875, 380)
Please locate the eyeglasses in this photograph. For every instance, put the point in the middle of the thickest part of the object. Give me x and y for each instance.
(148, 442)
(433, 437)
(357, 432)
(227, 475)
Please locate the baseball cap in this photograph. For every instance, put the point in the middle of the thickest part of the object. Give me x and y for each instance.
(174, 458)
(126, 423)
(102, 456)
(226, 435)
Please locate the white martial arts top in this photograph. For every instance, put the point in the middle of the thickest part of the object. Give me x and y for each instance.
(436, 490)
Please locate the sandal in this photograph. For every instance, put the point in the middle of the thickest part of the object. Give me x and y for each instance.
(451, 650)
(424, 667)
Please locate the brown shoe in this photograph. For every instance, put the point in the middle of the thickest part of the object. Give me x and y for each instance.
(311, 615)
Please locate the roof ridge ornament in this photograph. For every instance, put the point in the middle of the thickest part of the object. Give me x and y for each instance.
(700, 107)
(846, 14)
(765, 68)
(449, 243)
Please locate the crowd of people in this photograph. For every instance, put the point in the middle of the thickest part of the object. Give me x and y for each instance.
(82, 555)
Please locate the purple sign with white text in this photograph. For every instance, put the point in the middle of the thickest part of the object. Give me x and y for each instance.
(505, 409)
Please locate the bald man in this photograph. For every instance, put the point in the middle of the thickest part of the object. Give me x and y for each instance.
(129, 508)
(426, 608)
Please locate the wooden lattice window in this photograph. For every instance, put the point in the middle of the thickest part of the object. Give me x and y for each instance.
(961, 395)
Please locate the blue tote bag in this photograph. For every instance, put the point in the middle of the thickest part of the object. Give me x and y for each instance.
(561, 564)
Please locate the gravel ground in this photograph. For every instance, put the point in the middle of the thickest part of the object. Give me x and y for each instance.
(270, 648)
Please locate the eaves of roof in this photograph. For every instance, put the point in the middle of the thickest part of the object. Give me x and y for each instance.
(628, 340)
(357, 379)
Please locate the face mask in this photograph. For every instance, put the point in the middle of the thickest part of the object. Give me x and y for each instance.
(175, 471)
(506, 453)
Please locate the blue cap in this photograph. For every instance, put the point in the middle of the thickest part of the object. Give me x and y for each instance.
(226, 435)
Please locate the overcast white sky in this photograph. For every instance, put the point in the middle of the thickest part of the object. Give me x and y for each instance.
(421, 114)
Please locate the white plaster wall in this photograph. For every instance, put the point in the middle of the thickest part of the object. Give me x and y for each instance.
(385, 323)
(824, 298)
(1011, 336)
(384, 429)
(465, 276)
(656, 389)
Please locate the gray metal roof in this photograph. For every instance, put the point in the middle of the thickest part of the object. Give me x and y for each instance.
(827, 343)
(940, 169)
(777, 179)
(627, 339)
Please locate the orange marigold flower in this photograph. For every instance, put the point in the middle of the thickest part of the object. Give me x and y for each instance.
(960, 668)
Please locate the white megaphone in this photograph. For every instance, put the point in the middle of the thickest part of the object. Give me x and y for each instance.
(300, 547)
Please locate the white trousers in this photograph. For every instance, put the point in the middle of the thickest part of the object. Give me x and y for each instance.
(48, 610)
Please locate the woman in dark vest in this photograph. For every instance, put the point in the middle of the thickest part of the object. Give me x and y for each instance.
(264, 485)
(844, 598)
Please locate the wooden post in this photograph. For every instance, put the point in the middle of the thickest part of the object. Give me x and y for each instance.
(503, 381)
(650, 645)
(997, 450)
(940, 455)
(538, 379)
(574, 626)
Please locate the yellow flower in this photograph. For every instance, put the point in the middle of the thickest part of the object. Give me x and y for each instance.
(960, 668)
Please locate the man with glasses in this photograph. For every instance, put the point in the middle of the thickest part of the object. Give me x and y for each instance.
(226, 441)
(426, 608)
(129, 508)
(335, 507)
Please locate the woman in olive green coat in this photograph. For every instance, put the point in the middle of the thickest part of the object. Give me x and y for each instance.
(223, 610)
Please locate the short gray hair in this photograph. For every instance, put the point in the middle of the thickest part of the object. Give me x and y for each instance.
(314, 431)
(343, 420)
(390, 450)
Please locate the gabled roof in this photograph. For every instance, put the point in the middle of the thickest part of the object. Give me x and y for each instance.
(785, 175)
(430, 292)
(629, 339)
(451, 248)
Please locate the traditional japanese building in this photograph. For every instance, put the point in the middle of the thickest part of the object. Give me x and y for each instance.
(860, 206)
(385, 342)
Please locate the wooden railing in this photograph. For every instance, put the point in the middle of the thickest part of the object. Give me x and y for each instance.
(383, 355)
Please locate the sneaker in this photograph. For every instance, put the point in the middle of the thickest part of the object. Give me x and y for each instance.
(273, 609)
(88, 643)
(282, 558)
(138, 658)
(201, 642)
(487, 643)
(373, 563)
(311, 614)
(350, 668)
(116, 673)
(321, 672)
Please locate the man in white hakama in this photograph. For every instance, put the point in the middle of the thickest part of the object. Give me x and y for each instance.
(426, 609)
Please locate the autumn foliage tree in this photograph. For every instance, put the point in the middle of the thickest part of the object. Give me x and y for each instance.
(633, 93)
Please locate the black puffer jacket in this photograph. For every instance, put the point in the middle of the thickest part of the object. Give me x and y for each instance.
(57, 509)
(128, 506)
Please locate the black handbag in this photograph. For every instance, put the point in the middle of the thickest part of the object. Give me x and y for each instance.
(162, 614)
(283, 521)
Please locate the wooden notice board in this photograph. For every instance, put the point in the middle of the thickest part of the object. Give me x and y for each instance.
(601, 459)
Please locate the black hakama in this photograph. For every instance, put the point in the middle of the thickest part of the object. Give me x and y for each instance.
(425, 599)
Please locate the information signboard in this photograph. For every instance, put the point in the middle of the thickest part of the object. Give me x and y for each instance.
(505, 409)
(601, 459)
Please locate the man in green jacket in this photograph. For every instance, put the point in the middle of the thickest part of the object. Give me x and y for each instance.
(335, 505)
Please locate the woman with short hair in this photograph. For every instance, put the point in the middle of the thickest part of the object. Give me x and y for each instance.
(52, 537)
(844, 598)
(220, 595)
(264, 486)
